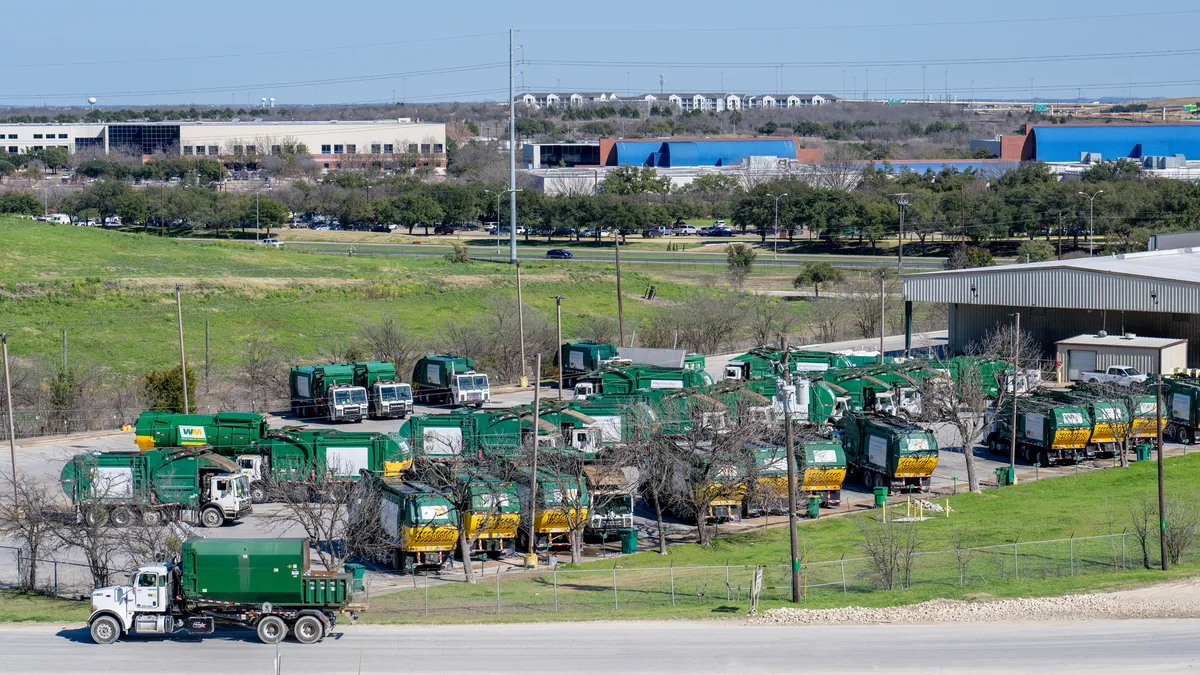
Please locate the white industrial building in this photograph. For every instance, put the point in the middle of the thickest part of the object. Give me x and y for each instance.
(332, 144)
(683, 102)
(1155, 294)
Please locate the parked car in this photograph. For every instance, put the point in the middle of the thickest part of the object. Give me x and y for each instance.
(704, 231)
(1122, 375)
(720, 232)
(565, 232)
(559, 254)
(274, 243)
(443, 229)
(720, 223)
(591, 233)
(681, 229)
(652, 233)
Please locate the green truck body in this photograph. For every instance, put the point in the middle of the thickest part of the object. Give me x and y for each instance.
(987, 371)
(628, 379)
(1182, 409)
(420, 523)
(156, 486)
(227, 433)
(388, 397)
(1048, 432)
(866, 392)
(1109, 417)
(297, 456)
(450, 379)
(821, 475)
(562, 501)
(889, 452)
(580, 358)
(327, 391)
(265, 585)
(500, 432)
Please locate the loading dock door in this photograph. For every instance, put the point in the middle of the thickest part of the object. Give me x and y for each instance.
(1078, 361)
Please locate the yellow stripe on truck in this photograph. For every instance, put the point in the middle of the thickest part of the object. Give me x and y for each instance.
(393, 469)
(1071, 438)
(823, 479)
(916, 467)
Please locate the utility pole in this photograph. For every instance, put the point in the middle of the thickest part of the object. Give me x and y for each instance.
(1060, 235)
(776, 254)
(522, 381)
(1162, 500)
(531, 557)
(558, 344)
(12, 434)
(1091, 217)
(902, 201)
(512, 174)
(962, 202)
(793, 538)
(182, 359)
(1012, 444)
(882, 311)
(620, 304)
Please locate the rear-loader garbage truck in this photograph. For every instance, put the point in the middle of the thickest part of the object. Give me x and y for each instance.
(156, 486)
(327, 392)
(888, 452)
(450, 380)
(263, 585)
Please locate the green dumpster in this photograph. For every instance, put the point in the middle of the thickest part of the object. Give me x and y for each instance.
(629, 540)
(1142, 451)
(814, 506)
(358, 571)
(881, 494)
(1005, 475)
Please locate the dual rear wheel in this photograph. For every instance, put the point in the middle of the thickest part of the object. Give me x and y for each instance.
(308, 630)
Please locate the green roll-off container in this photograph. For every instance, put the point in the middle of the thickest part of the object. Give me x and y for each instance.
(256, 571)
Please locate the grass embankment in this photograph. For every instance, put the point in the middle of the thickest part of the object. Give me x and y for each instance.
(1064, 508)
(18, 606)
(114, 294)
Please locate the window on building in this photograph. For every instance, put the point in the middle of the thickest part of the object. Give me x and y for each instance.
(199, 149)
(251, 150)
(351, 149)
(13, 149)
(376, 148)
(424, 148)
(326, 149)
(187, 149)
(325, 165)
(338, 149)
(62, 135)
(37, 137)
(276, 150)
(437, 147)
(237, 149)
(412, 147)
(12, 137)
(387, 148)
(214, 150)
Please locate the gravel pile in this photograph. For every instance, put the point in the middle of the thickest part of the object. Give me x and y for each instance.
(1065, 608)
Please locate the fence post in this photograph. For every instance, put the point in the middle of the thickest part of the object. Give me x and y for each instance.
(1072, 554)
(556, 588)
(843, 562)
(1123, 565)
(20, 582)
(616, 603)
(672, 584)
(426, 595)
(56, 578)
(727, 597)
(497, 589)
(1016, 563)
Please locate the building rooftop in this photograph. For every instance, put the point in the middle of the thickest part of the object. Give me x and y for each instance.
(1176, 264)
(1126, 340)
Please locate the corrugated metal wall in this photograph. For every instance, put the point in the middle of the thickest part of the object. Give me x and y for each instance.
(970, 323)
(1145, 360)
(1064, 288)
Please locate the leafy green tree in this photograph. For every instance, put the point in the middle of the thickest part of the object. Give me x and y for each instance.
(164, 389)
(417, 209)
(1121, 168)
(964, 257)
(632, 180)
(816, 273)
(1034, 251)
(740, 259)
(20, 203)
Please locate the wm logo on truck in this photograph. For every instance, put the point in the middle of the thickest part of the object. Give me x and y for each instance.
(192, 435)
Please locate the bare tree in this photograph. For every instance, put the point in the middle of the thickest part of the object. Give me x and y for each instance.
(596, 328)
(700, 324)
(863, 300)
(1143, 516)
(960, 398)
(827, 317)
(563, 490)
(964, 542)
(1181, 519)
(389, 340)
(339, 516)
(493, 338)
(263, 372)
(891, 548)
(28, 516)
(768, 318)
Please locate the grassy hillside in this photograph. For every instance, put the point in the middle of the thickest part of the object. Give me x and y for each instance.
(114, 294)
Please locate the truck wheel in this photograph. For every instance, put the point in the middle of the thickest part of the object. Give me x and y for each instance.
(95, 516)
(105, 630)
(258, 493)
(1044, 458)
(212, 517)
(121, 516)
(272, 630)
(153, 517)
(308, 630)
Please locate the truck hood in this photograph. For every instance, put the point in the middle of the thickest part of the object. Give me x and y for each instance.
(108, 594)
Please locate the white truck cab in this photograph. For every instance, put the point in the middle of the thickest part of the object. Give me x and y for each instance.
(391, 399)
(470, 388)
(254, 469)
(584, 390)
(137, 607)
(227, 499)
(346, 403)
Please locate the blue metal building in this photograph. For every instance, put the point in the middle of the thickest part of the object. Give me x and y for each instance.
(1069, 143)
(699, 152)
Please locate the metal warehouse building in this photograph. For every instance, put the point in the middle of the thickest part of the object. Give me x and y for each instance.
(1067, 143)
(1153, 294)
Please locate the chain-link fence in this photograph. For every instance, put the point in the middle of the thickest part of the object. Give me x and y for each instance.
(52, 577)
(500, 591)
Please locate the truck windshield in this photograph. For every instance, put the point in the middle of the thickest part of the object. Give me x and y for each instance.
(620, 504)
(403, 392)
(1132, 371)
(387, 394)
(350, 396)
(243, 486)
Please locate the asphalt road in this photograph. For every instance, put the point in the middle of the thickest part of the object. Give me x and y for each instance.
(629, 256)
(1160, 646)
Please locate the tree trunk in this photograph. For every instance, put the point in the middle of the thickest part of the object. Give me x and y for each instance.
(968, 446)
(576, 545)
(464, 549)
(702, 535)
(817, 291)
(662, 532)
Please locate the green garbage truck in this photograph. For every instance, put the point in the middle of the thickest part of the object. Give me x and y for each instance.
(1048, 432)
(500, 431)
(563, 502)
(576, 359)
(419, 522)
(886, 451)
(1182, 403)
(327, 392)
(450, 380)
(297, 456)
(226, 433)
(615, 379)
(156, 486)
(388, 397)
(265, 585)
(821, 475)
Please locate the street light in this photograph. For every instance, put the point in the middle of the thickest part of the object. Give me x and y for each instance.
(1091, 217)
(776, 254)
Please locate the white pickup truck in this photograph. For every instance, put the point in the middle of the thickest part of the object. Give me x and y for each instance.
(1122, 375)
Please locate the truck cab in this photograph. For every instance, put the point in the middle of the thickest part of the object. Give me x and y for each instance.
(346, 403)
(470, 389)
(139, 606)
(737, 371)
(391, 399)
(229, 493)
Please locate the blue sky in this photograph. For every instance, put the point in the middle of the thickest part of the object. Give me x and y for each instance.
(304, 51)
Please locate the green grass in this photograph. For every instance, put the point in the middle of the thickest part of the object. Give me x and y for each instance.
(18, 606)
(114, 294)
(1064, 508)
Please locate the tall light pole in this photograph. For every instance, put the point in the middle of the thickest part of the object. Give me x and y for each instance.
(558, 324)
(1091, 218)
(793, 539)
(512, 165)
(1016, 367)
(776, 254)
(901, 201)
(1162, 502)
(531, 556)
(12, 435)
